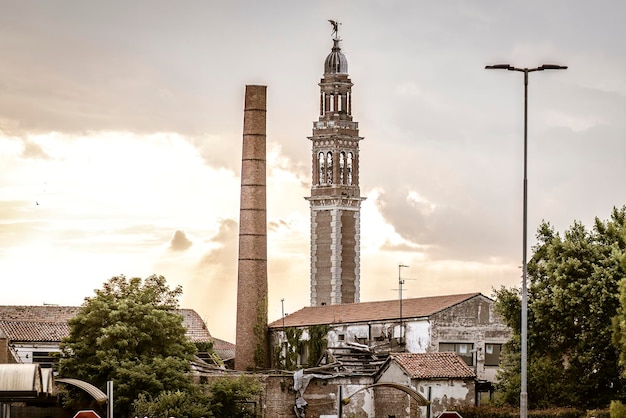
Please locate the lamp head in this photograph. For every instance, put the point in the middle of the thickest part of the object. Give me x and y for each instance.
(499, 67)
(553, 67)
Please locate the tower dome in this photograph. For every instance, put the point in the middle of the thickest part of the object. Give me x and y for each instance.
(336, 62)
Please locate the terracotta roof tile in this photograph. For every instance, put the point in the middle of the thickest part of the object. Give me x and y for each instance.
(49, 323)
(224, 349)
(34, 331)
(371, 311)
(197, 330)
(433, 365)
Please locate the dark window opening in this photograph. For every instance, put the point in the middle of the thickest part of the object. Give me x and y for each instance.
(45, 359)
(492, 354)
(465, 350)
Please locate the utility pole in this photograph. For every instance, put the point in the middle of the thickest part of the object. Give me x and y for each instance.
(400, 283)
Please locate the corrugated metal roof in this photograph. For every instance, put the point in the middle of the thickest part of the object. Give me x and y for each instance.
(24, 378)
(433, 365)
(93, 391)
(371, 311)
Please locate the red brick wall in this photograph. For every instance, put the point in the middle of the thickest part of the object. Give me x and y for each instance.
(6, 357)
(392, 402)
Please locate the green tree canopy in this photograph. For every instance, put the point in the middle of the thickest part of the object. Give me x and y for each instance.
(572, 298)
(130, 333)
(226, 396)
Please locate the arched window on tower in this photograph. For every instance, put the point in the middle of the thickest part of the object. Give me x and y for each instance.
(349, 100)
(329, 168)
(342, 166)
(320, 165)
(349, 168)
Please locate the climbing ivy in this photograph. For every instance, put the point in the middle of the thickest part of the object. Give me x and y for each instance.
(260, 332)
(287, 356)
(317, 343)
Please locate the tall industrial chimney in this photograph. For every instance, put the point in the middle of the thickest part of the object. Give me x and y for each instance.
(251, 340)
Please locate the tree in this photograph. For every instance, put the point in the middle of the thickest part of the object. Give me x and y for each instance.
(233, 397)
(173, 404)
(572, 297)
(131, 334)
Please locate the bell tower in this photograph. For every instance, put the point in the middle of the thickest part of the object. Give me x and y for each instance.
(335, 199)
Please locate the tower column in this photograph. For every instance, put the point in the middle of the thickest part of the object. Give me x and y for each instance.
(335, 196)
(251, 338)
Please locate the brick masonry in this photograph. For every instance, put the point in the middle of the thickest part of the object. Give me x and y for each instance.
(251, 339)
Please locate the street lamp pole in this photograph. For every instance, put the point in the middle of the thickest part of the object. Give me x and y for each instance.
(524, 323)
(282, 305)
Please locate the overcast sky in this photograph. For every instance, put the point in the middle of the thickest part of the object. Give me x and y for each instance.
(121, 132)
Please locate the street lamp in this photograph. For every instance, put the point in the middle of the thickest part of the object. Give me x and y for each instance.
(524, 324)
(282, 305)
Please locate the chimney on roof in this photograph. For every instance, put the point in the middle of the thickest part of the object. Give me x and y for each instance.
(251, 339)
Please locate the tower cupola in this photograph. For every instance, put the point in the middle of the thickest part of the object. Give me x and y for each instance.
(336, 62)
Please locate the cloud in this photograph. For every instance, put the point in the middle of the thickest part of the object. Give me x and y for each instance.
(33, 150)
(180, 242)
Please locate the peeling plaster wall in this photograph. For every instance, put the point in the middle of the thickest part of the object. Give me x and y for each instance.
(474, 321)
(417, 336)
(445, 394)
(394, 374)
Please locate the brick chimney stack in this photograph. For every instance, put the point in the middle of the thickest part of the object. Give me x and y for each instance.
(251, 339)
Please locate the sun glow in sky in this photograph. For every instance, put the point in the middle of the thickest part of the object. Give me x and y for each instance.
(121, 131)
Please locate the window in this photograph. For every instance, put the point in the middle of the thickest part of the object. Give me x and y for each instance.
(329, 168)
(45, 359)
(349, 169)
(465, 350)
(322, 171)
(342, 158)
(492, 354)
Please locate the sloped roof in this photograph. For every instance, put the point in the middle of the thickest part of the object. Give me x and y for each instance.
(49, 323)
(371, 311)
(20, 378)
(197, 330)
(224, 349)
(34, 330)
(433, 365)
(38, 313)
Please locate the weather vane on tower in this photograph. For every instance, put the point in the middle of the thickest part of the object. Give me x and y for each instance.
(335, 32)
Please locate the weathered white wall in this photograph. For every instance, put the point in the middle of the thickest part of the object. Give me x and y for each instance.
(445, 394)
(25, 351)
(394, 374)
(417, 336)
(361, 401)
(474, 321)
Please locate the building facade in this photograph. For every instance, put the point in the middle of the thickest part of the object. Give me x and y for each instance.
(335, 199)
(466, 324)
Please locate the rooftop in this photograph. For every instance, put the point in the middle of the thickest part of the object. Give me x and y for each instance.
(48, 323)
(371, 311)
(433, 365)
